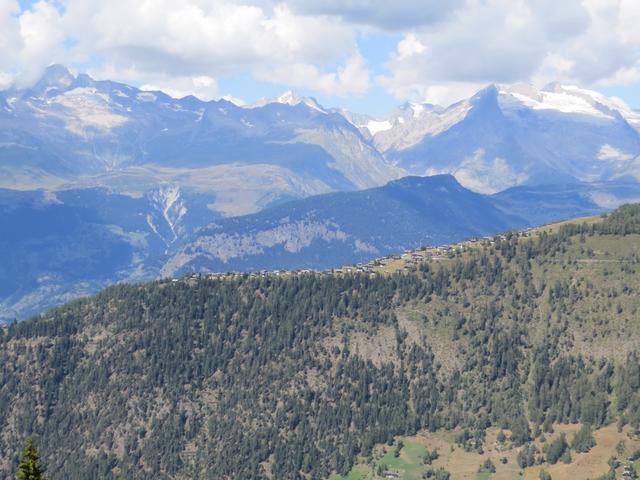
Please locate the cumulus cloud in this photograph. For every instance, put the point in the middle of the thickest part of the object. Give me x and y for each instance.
(28, 40)
(184, 46)
(350, 78)
(191, 35)
(205, 40)
(41, 32)
(588, 42)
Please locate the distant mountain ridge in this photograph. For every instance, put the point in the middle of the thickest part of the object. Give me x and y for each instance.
(71, 131)
(341, 228)
(344, 228)
(65, 244)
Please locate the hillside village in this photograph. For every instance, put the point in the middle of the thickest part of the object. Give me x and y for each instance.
(406, 261)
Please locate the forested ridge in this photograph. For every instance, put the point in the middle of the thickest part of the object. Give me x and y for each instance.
(296, 376)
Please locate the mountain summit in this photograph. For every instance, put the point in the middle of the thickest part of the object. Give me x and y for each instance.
(290, 98)
(54, 76)
(514, 135)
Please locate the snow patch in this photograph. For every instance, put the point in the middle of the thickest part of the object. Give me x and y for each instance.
(375, 126)
(565, 99)
(417, 108)
(608, 153)
(290, 98)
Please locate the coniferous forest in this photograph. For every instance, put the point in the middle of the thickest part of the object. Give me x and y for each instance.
(297, 376)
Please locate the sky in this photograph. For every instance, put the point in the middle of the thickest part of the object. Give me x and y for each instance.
(366, 56)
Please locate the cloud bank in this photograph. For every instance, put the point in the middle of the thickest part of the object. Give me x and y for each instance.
(444, 50)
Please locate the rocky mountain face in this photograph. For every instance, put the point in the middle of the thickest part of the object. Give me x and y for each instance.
(343, 228)
(518, 135)
(340, 228)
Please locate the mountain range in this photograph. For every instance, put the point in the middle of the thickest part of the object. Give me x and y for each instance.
(72, 130)
(103, 182)
(75, 131)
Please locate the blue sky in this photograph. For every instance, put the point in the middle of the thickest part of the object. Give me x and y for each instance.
(362, 55)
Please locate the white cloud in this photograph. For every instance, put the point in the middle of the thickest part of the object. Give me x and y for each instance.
(41, 32)
(350, 78)
(609, 153)
(447, 50)
(181, 46)
(587, 42)
(409, 46)
(9, 31)
(28, 40)
(629, 16)
(203, 39)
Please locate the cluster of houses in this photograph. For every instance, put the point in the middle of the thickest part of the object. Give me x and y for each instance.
(408, 260)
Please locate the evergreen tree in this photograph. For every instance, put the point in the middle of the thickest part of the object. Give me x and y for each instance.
(29, 467)
(583, 440)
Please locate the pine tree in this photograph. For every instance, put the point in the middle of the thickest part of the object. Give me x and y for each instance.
(29, 467)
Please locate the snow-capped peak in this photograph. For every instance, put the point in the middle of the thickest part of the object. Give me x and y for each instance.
(290, 98)
(565, 99)
(376, 126)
